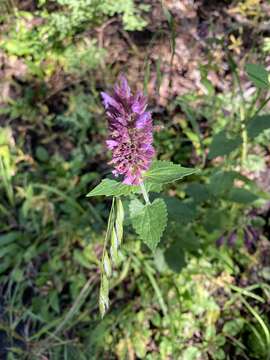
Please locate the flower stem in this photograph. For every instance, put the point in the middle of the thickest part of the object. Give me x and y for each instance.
(144, 193)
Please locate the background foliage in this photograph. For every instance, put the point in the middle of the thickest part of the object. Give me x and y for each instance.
(205, 293)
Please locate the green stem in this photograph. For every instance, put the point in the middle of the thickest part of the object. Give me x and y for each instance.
(262, 105)
(147, 269)
(74, 309)
(156, 288)
(244, 135)
(144, 193)
(253, 104)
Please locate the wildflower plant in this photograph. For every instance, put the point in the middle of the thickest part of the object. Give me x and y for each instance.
(137, 174)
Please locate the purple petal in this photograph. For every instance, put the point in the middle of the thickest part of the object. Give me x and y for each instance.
(122, 89)
(111, 144)
(132, 179)
(129, 180)
(109, 101)
(143, 120)
(139, 103)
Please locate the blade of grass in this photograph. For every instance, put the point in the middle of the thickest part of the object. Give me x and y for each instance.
(260, 321)
(246, 293)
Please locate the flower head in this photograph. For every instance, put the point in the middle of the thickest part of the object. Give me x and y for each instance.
(131, 132)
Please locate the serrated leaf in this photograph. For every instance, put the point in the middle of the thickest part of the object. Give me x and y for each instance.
(223, 145)
(149, 221)
(258, 75)
(110, 187)
(180, 211)
(221, 182)
(107, 265)
(163, 172)
(135, 207)
(199, 192)
(241, 196)
(185, 238)
(222, 185)
(257, 125)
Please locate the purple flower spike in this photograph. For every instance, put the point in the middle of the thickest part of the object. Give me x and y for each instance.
(131, 132)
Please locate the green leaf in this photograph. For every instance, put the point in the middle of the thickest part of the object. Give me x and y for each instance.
(199, 192)
(242, 196)
(150, 187)
(10, 237)
(175, 257)
(222, 145)
(17, 275)
(191, 353)
(233, 327)
(81, 259)
(160, 261)
(222, 185)
(182, 236)
(149, 221)
(163, 172)
(110, 187)
(54, 301)
(180, 211)
(221, 182)
(265, 273)
(258, 75)
(42, 154)
(257, 125)
(215, 219)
